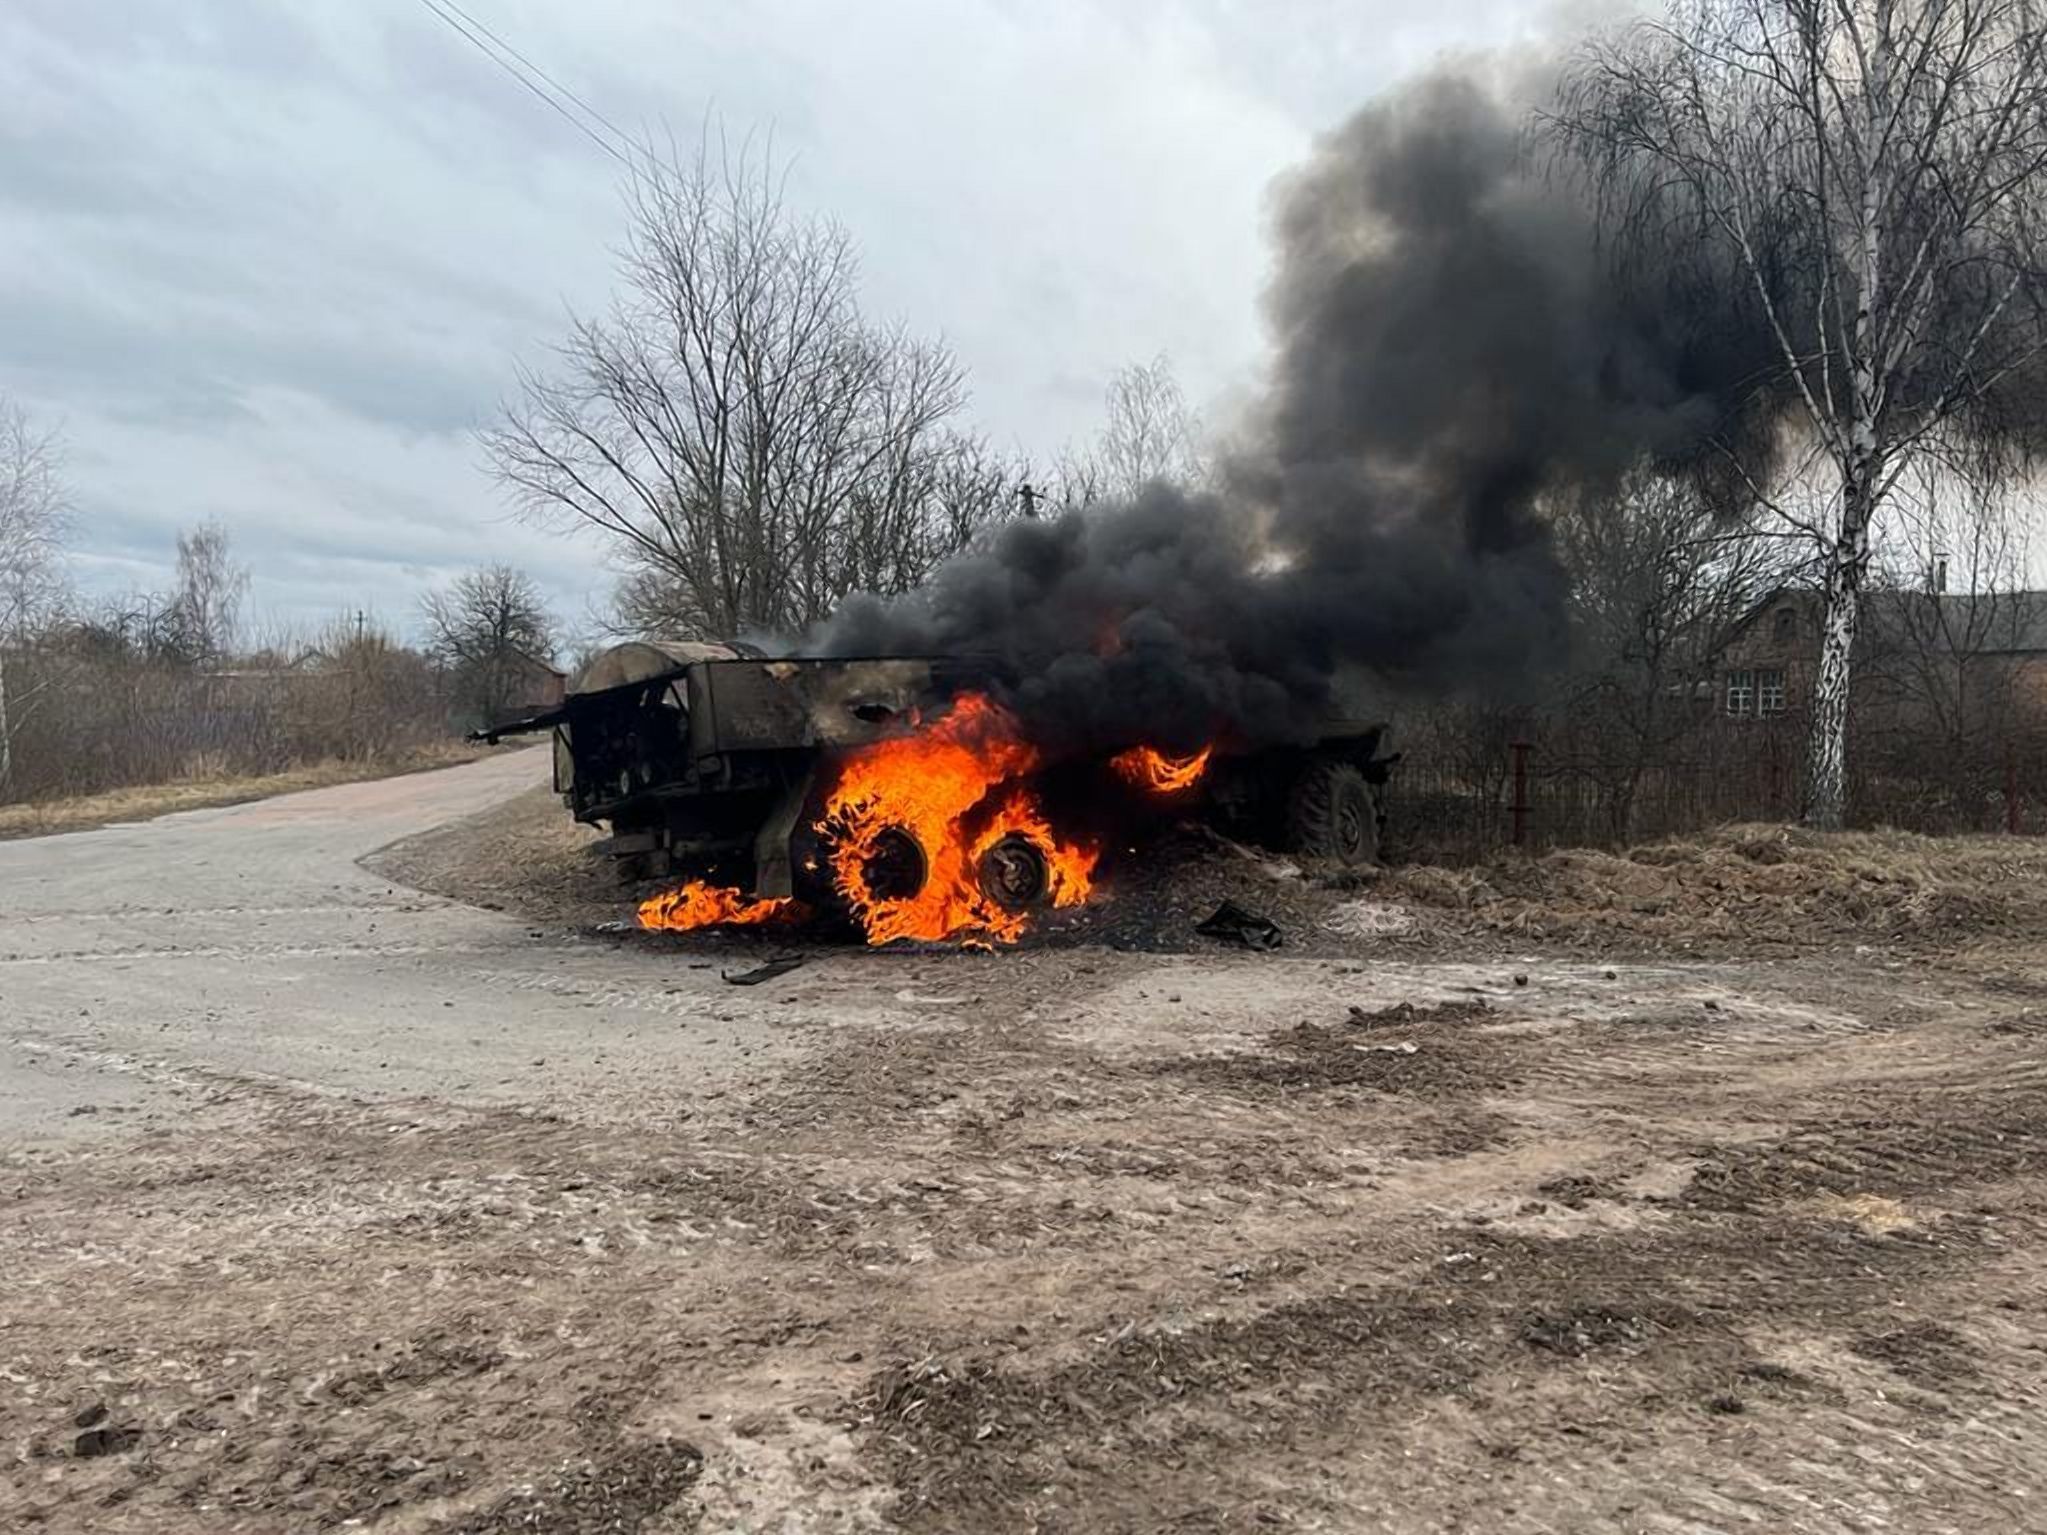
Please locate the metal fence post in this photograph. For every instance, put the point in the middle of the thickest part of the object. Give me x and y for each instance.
(2011, 791)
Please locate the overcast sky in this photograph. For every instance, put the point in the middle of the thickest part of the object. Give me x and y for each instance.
(271, 261)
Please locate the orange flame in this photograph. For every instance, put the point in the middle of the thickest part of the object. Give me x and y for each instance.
(700, 905)
(1154, 770)
(956, 788)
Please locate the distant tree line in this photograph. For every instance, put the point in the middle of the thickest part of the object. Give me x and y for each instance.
(153, 686)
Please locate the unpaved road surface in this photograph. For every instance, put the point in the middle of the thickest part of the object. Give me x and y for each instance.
(329, 1204)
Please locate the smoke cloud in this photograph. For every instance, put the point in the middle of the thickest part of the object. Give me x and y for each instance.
(1452, 344)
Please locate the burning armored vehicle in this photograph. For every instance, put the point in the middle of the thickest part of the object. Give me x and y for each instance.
(900, 790)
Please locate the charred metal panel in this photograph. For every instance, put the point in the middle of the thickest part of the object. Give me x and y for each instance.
(564, 760)
(862, 701)
(738, 706)
(774, 872)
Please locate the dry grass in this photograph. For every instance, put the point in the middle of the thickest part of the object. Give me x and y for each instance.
(204, 791)
(1752, 885)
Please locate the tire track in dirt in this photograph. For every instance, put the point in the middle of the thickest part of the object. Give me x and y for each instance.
(1001, 1440)
(1172, 1415)
(1901, 1153)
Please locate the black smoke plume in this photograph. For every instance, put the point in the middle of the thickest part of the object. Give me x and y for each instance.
(1453, 343)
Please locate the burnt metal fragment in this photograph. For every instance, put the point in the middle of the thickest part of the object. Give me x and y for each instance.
(1231, 923)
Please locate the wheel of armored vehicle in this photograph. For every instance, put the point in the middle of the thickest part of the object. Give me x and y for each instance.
(1333, 813)
(895, 867)
(1013, 874)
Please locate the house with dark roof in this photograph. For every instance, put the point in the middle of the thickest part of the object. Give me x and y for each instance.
(1937, 653)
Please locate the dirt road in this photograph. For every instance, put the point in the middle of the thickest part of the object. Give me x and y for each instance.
(331, 1204)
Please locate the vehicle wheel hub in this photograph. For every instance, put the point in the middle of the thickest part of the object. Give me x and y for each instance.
(895, 868)
(1013, 873)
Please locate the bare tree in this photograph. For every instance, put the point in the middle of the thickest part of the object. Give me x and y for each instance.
(1659, 577)
(486, 629)
(756, 447)
(358, 694)
(1077, 479)
(1871, 170)
(959, 491)
(1934, 681)
(973, 488)
(205, 611)
(1148, 433)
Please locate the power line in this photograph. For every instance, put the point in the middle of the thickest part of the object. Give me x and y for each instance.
(518, 74)
(611, 127)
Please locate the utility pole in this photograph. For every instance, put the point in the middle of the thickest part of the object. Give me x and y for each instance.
(355, 661)
(6, 732)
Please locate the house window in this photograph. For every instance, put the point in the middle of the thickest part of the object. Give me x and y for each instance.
(1770, 691)
(1784, 625)
(1741, 692)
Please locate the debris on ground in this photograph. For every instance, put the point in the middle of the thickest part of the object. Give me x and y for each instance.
(1232, 923)
(1370, 919)
(527, 856)
(105, 1441)
(772, 970)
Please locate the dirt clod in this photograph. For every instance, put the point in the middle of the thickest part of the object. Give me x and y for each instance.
(105, 1441)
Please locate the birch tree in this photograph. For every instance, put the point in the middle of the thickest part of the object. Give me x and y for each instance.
(1148, 432)
(32, 514)
(1871, 171)
(32, 511)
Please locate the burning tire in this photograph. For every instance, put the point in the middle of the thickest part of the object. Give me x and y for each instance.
(1014, 875)
(895, 868)
(1334, 813)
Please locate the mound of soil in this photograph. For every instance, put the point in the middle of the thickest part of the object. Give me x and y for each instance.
(1748, 886)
